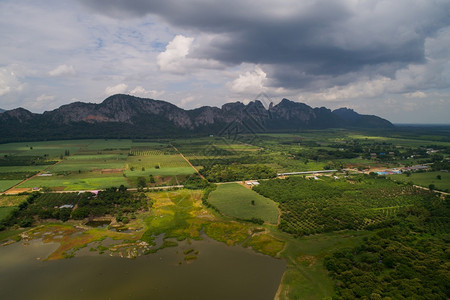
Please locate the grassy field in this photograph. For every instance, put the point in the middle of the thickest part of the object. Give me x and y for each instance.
(6, 184)
(77, 182)
(156, 159)
(12, 200)
(49, 148)
(426, 178)
(86, 165)
(236, 201)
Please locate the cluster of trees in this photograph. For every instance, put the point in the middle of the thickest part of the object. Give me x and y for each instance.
(195, 183)
(406, 258)
(315, 206)
(224, 173)
(245, 159)
(13, 160)
(324, 155)
(441, 165)
(112, 201)
(40, 206)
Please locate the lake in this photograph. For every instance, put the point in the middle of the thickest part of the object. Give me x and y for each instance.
(219, 272)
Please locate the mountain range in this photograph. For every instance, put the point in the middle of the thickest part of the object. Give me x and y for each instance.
(121, 116)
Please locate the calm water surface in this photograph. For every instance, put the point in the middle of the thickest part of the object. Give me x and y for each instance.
(220, 272)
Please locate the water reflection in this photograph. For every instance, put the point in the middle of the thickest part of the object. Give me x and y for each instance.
(218, 272)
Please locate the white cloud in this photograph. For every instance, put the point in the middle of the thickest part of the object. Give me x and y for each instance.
(45, 98)
(9, 81)
(62, 70)
(175, 59)
(187, 100)
(251, 82)
(117, 89)
(139, 91)
(172, 59)
(416, 94)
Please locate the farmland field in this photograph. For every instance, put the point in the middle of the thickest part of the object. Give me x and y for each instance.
(426, 178)
(6, 184)
(12, 200)
(236, 201)
(76, 182)
(324, 205)
(325, 222)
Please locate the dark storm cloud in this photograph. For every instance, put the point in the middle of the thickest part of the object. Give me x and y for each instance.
(301, 42)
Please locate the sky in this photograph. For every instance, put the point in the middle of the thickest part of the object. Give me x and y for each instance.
(388, 58)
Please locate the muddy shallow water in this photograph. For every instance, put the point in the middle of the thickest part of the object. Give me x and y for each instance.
(218, 272)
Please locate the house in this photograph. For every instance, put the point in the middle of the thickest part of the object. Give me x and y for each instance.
(252, 183)
(66, 206)
(45, 174)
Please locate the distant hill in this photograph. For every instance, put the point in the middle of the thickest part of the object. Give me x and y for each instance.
(2, 110)
(121, 116)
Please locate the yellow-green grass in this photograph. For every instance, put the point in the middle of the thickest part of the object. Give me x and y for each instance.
(77, 182)
(236, 201)
(6, 184)
(12, 200)
(266, 244)
(231, 233)
(426, 178)
(175, 214)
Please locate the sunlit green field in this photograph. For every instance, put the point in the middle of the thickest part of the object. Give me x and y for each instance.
(6, 184)
(240, 202)
(77, 182)
(426, 178)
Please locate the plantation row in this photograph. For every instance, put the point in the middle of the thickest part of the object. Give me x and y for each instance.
(148, 152)
(315, 206)
(407, 258)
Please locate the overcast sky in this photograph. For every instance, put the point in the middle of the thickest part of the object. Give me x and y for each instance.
(389, 58)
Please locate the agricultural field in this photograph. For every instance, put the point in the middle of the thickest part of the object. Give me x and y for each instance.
(144, 162)
(314, 206)
(240, 202)
(323, 222)
(76, 182)
(6, 184)
(440, 180)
